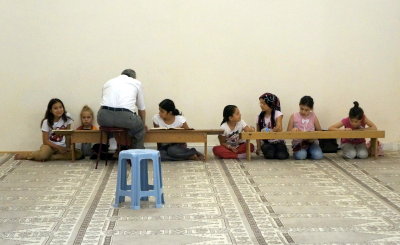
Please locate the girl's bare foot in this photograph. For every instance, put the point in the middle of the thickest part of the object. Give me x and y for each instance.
(194, 157)
(200, 156)
(18, 157)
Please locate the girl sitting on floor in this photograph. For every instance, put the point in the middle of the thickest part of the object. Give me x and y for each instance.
(54, 146)
(305, 120)
(356, 120)
(232, 147)
(170, 118)
(270, 119)
(87, 117)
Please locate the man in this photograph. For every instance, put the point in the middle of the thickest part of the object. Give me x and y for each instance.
(122, 98)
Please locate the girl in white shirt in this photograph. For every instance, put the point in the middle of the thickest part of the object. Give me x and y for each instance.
(170, 118)
(232, 147)
(54, 146)
(270, 119)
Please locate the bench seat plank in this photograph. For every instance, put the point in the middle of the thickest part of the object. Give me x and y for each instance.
(151, 136)
(313, 135)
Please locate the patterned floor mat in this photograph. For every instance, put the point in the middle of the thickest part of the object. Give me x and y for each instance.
(330, 201)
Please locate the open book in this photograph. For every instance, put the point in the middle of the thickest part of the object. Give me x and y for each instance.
(162, 128)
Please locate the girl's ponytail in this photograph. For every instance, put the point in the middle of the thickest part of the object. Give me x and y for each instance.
(356, 112)
(176, 112)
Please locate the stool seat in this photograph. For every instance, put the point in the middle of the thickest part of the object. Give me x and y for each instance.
(139, 188)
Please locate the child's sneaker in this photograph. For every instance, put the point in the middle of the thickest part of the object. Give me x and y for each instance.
(113, 144)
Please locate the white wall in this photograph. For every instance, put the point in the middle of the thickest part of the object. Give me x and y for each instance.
(203, 54)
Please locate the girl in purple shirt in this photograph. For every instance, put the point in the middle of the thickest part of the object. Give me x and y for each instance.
(356, 120)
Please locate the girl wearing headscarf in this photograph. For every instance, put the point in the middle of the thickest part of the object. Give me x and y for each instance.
(270, 119)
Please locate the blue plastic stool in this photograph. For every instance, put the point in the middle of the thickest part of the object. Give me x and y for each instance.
(139, 188)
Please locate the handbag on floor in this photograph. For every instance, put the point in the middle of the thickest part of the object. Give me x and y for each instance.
(328, 145)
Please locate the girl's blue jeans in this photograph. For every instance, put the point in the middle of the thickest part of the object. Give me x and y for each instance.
(313, 151)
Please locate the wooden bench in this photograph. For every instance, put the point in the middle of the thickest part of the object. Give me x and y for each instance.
(81, 136)
(181, 136)
(373, 134)
(152, 136)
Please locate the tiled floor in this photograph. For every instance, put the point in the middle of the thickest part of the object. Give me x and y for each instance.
(331, 201)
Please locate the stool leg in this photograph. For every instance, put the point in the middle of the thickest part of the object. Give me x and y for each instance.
(161, 184)
(126, 140)
(108, 140)
(135, 186)
(98, 153)
(118, 144)
(157, 182)
(121, 182)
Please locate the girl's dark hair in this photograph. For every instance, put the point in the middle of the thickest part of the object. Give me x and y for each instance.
(169, 106)
(261, 120)
(356, 111)
(228, 112)
(49, 116)
(307, 101)
(274, 103)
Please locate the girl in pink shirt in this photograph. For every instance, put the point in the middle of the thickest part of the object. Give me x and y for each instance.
(357, 120)
(305, 120)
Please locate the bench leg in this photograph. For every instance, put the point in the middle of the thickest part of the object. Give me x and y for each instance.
(374, 148)
(248, 152)
(99, 150)
(205, 151)
(72, 148)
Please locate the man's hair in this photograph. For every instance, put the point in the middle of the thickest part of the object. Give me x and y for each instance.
(129, 72)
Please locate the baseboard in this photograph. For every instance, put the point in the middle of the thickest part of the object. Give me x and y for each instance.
(391, 146)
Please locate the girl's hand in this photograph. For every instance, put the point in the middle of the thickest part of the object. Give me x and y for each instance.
(231, 148)
(252, 129)
(62, 149)
(347, 129)
(295, 129)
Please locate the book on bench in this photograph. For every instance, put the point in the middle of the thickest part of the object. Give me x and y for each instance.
(63, 131)
(162, 128)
